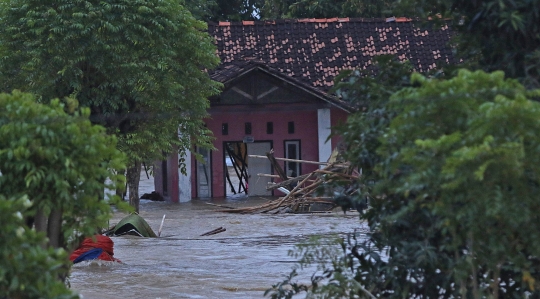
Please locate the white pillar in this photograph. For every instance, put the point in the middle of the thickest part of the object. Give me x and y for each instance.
(184, 181)
(324, 124)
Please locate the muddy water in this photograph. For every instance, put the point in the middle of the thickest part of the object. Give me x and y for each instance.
(241, 262)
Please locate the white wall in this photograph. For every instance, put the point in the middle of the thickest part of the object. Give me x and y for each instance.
(324, 124)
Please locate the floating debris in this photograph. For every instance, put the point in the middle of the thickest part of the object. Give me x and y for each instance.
(214, 231)
(134, 225)
(97, 247)
(300, 192)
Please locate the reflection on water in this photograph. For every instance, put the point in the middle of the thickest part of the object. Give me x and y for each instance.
(241, 262)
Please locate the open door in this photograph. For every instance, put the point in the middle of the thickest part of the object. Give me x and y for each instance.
(257, 185)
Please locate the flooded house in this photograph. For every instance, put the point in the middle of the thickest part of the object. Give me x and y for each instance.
(277, 78)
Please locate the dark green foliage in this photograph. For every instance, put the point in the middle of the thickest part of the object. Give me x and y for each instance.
(134, 63)
(53, 170)
(494, 35)
(139, 65)
(227, 10)
(346, 8)
(59, 160)
(287, 288)
(369, 92)
(452, 181)
(461, 172)
(201, 9)
(327, 9)
(237, 10)
(27, 269)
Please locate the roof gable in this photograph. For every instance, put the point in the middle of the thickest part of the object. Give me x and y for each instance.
(258, 87)
(312, 52)
(233, 72)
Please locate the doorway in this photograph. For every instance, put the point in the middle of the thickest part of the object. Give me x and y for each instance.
(241, 170)
(235, 163)
(258, 184)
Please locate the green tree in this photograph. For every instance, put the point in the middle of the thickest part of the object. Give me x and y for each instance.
(369, 92)
(201, 9)
(27, 269)
(239, 10)
(344, 8)
(452, 186)
(227, 10)
(461, 171)
(236, 10)
(494, 35)
(327, 8)
(139, 65)
(53, 170)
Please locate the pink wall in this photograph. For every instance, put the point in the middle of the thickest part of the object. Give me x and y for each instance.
(173, 192)
(305, 121)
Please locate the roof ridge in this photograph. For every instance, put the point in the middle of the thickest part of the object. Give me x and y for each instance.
(311, 20)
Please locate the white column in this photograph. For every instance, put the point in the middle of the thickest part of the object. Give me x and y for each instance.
(324, 124)
(184, 181)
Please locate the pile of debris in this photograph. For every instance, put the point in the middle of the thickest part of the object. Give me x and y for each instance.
(308, 193)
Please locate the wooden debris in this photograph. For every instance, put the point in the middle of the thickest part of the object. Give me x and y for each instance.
(161, 226)
(273, 186)
(275, 165)
(214, 231)
(303, 196)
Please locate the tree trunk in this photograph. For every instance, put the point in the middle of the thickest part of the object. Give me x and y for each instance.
(54, 229)
(119, 192)
(40, 221)
(133, 177)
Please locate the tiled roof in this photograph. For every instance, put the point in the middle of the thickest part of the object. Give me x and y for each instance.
(313, 51)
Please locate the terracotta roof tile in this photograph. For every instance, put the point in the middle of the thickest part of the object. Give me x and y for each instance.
(313, 51)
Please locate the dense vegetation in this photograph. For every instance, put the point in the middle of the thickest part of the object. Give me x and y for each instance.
(449, 164)
(139, 65)
(449, 159)
(138, 69)
(53, 169)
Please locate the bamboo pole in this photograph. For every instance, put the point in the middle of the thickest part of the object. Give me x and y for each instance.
(268, 175)
(301, 161)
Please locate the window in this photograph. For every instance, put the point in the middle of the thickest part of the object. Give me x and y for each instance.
(247, 128)
(292, 151)
(225, 129)
(269, 127)
(291, 127)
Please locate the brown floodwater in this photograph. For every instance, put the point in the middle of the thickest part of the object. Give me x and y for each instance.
(241, 262)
